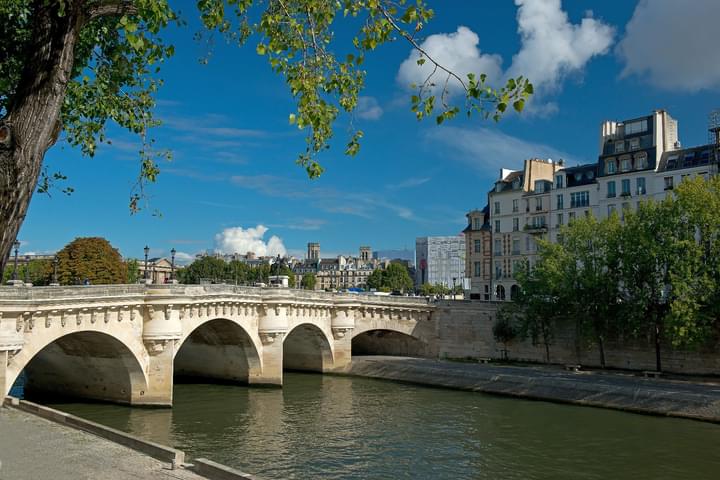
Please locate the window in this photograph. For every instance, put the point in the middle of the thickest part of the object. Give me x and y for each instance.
(579, 199)
(538, 204)
(578, 176)
(638, 126)
(558, 181)
(640, 183)
(611, 209)
(672, 162)
(641, 161)
(611, 189)
(478, 246)
(527, 244)
(625, 208)
(515, 205)
(625, 163)
(516, 246)
(497, 226)
(668, 183)
(634, 143)
(498, 270)
(498, 247)
(590, 174)
(571, 216)
(559, 219)
(619, 146)
(560, 202)
(476, 224)
(496, 211)
(516, 224)
(539, 186)
(625, 187)
(538, 222)
(610, 166)
(477, 266)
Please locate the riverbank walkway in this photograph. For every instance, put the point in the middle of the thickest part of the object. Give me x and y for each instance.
(33, 448)
(699, 400)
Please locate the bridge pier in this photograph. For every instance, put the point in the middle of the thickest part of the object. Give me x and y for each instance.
(271, 372)
(159, 375)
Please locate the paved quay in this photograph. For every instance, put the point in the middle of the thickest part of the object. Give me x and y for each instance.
(675, 398)
(32, 448)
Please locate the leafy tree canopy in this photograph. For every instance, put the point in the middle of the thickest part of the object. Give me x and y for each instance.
(308, 281)
(92, 259)
(393, 278)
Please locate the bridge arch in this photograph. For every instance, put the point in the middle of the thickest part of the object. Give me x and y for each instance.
(394, 338)
(220, 349)
(306, 347)
(88, 364)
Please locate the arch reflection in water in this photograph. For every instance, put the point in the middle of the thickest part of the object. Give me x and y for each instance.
(329, 427)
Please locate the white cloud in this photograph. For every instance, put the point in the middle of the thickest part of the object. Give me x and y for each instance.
(552, 48)
(456, 51)
(243, 240)
(672, 44)
(484, 148)
(184, 258)
(368, 108)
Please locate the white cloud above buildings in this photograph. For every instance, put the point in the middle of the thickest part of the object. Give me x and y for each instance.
(483, 148)
(243, 240)
(672, 44)
(551, 49)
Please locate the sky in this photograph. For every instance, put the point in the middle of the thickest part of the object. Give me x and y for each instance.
(233, 186)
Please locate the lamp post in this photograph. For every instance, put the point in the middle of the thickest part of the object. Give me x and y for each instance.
(145, 274)
(17, 247)
(27, 269)
(172, 265)
(55, 267)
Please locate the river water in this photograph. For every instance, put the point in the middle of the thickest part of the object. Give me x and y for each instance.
(330, 427)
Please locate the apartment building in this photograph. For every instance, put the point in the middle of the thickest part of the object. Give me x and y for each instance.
(478, 254)
(519, 214)
(639, 159)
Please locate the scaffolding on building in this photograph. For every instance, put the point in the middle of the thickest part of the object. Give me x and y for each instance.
(714, 133)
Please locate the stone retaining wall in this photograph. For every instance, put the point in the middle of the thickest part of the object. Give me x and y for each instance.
(465, 330)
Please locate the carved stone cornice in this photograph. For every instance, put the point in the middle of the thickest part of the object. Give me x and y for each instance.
(340, 332)
(269, 337)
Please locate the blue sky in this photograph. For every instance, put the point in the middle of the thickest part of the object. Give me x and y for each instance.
(233, 185)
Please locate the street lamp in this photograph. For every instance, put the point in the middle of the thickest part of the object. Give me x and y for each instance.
(172, 264)
(17, 247)
(146, 250)
(27, 268)
(55, 266)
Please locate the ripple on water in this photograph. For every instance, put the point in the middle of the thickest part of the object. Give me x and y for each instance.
(328, 427)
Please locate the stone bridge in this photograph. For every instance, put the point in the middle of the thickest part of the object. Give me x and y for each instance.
(127, 343)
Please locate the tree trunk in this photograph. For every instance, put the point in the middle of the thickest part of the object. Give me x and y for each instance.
(33, 123)
(601, 347)
(658, 364)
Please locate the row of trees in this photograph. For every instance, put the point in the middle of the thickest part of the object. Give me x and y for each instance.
(655, 274)
(216, 270)
(84, 260)
(429, 290)
(394, 278)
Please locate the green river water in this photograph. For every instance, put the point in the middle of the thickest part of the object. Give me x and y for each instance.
(330, 427)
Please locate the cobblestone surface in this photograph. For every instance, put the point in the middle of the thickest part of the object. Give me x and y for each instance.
(686, 399)
(32, 448)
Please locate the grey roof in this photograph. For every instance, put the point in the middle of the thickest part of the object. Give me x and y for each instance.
(686, 158)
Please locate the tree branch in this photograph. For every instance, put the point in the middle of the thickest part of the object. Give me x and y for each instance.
(111, 9)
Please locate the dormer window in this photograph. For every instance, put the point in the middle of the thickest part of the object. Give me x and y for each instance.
(578, 176)
(641, 160)
(498, 187)
(559, 181)
(610, 166)
(539, 186)
(619, 146)
(516, 185)
(634, 143)
(625, 163)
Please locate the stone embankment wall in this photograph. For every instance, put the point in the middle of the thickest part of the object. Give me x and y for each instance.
(464, 329)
